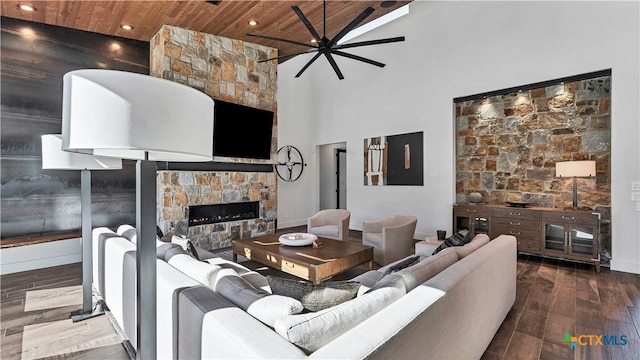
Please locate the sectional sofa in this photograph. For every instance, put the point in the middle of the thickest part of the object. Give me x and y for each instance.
(441, 306)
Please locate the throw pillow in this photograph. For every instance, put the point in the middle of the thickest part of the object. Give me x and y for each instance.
(161, 250)
(181, 240)
(458, 239)
(256, 302)
(314, 297)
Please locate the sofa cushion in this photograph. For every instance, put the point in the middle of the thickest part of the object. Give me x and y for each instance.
(311, 331)
(477, 242)
(367, 280)
(314, 297)
(200, 271)
(257, 302)
(427, 268)
(128, 232)
(161, 250)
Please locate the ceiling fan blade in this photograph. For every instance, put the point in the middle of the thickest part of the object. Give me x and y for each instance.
(306, 23)
(359, 58)
(351, 26)
(285, 40)
(308, 64)
(333, 65)
(370, 42)
(289, 55)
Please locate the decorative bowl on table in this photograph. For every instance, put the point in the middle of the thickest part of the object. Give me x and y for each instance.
(297, 239)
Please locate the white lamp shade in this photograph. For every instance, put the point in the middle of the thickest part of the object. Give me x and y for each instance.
(576, 168)
(53, 158)
(128, 115)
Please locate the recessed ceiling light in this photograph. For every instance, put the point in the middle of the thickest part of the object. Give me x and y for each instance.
(26, 7)
(126, 27)
(314, 41)
(387, 3)
(253, 22)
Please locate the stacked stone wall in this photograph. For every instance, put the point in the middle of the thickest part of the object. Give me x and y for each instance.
(177, 190)
(228, 70)
(507, 145)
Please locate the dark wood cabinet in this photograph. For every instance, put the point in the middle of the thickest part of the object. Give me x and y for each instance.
(474, 218)
(565, 234)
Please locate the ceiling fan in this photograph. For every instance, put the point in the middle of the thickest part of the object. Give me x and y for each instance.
(330, 47)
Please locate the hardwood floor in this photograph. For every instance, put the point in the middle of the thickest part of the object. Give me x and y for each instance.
(35, 324)
(556, 297)
(553, 298)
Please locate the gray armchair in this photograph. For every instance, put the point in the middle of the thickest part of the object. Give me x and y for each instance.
(330, 223)
(391, 237)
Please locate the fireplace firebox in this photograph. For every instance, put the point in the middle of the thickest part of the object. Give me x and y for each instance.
(217, 213)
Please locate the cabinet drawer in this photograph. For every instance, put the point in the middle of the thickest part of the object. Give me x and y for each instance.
(523, 235)
(281, 264)
(516, 224)
(516, 213)
(570, 218)
(472, 210)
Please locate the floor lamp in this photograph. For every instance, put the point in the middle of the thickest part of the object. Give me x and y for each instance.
(133, 116)
(53, 158)
(575, 169)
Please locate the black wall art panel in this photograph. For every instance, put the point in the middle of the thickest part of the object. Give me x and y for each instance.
(404, 159)
(34, 58)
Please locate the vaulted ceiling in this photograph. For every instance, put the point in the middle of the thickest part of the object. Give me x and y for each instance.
(228, 18)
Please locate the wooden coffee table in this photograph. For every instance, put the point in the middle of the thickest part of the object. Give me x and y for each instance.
(314, 265)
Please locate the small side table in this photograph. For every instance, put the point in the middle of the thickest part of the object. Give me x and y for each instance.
(427, 246)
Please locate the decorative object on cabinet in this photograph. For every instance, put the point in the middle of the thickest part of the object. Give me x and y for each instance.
(576, 169)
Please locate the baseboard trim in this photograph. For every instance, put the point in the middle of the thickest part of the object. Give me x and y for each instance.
(625, 266)
(291, 223)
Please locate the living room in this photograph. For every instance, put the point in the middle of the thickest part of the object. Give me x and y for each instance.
(455, 49)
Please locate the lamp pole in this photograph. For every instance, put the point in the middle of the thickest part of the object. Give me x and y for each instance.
(146, 258)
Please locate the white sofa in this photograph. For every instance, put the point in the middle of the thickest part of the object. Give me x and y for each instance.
(454, 314)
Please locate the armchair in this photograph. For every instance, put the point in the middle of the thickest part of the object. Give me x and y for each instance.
(330, 223)
(391, 237)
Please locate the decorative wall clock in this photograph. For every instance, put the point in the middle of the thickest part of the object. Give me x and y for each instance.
(290, 163)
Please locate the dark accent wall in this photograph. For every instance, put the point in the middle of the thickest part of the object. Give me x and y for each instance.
(34, 58)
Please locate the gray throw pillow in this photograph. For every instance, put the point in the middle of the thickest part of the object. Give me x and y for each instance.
(314, 297)
(161, 251)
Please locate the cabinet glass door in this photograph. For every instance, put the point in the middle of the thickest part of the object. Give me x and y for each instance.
(480, 225)
(582, 240)
(554, 237)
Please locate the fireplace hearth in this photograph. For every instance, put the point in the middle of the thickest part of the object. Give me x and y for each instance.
(217, 213)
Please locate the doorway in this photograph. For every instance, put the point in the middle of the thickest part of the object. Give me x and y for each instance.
(341, 178)
(333, 176)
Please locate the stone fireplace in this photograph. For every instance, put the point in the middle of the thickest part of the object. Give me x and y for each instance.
(180, 191)
(229, 70)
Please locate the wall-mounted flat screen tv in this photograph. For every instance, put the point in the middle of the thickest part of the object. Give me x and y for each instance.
(241, 131)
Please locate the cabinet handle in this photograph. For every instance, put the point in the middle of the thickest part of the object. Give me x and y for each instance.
(514, 223)
(568, 217)
(514, 214)
(514, 232)
(472, 211)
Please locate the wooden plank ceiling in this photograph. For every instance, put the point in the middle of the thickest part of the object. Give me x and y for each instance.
(229, 18)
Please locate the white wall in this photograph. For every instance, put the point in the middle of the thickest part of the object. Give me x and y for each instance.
(456, 49)
(42, 255)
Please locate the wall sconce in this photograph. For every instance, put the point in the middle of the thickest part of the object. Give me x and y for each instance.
(576, 169)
